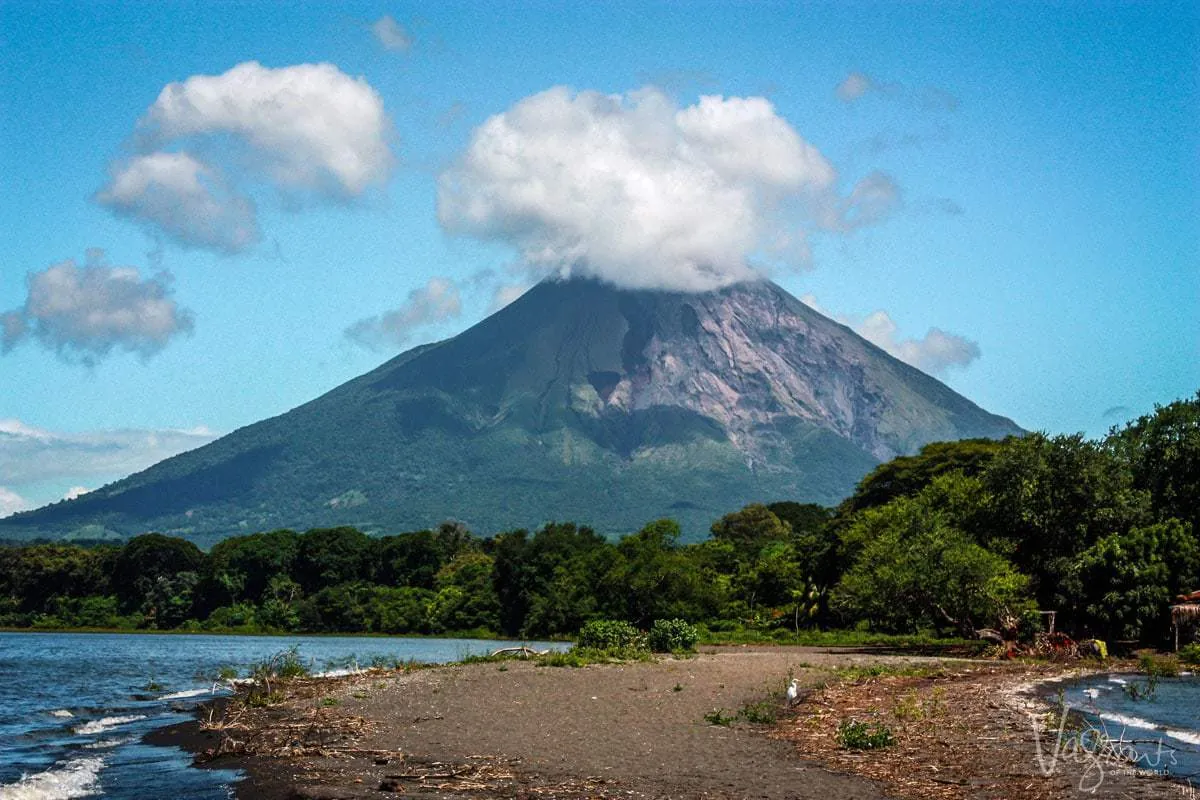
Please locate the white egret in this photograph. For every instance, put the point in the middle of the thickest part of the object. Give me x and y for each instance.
(793, 691)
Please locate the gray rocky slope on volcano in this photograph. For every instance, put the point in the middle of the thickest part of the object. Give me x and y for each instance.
(579, 401)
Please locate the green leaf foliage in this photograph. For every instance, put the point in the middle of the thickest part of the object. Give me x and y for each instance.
(962, 535)
(610, 634)
(672, 636)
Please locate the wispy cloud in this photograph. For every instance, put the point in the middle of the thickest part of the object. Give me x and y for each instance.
(855, 85)
(872, 200)
(505, 294)
(85, 312)
(858, 85)
(11, 502)
(947, 206)
(30, 455)
(1116, 414)
(391, 35)
(935, 353)
(437, 301)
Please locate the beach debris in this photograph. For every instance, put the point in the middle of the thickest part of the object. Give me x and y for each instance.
(971, 739)
(521, 652)
(494, 777)
(1055, 646)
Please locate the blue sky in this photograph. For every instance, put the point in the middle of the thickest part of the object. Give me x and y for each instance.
(1038, 205)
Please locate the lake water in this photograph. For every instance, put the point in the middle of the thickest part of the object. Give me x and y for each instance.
(74, 706)
(1160, 731)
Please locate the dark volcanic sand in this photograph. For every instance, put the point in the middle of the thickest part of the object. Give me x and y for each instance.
(519, 730)
(600, 731)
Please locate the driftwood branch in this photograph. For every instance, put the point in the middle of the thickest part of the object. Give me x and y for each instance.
(522, 651)
(990, 634)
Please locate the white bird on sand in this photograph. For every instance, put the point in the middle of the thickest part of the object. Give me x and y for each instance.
(793, 691)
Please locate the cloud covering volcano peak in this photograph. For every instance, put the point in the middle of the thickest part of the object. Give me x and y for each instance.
(637, 191)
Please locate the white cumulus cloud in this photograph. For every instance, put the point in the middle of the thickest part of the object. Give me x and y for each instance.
(84, 312)
(184, 198)
(309, 131)
(391, 34)
(640, 192)
(934, 353)
(310, 126)
(437, 301)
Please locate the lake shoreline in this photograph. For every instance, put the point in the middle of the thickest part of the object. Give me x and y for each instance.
(76, 708)
(996, 734)
(614, 730)
(470, 634)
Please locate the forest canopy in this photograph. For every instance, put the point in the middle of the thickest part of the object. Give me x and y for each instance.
(962, 535)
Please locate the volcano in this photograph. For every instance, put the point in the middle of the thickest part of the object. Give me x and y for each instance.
(579, 401)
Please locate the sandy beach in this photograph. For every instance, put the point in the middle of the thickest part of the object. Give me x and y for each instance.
(645, 730)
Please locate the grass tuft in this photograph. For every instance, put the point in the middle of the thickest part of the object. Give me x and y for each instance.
(855, 735)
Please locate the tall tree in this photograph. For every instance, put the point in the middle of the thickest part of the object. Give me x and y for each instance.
(329, 556)
(144, 559)
(1163, 452)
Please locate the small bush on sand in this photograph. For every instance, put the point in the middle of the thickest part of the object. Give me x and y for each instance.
(673, 636)
(583, 656)
(1190, 654)
(1158, 666)
(718, 717)
(610, 634)
(265, 674)
(764, 712)
(855, 735)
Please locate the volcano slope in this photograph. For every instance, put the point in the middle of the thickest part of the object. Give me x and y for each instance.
(579, 401)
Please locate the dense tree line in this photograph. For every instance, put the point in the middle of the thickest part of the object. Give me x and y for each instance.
(962, 535)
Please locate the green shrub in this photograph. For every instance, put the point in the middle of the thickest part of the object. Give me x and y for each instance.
(610, 634)
(1030, 624)
(718, 717)
(238, 615)
(1190, 654)
(764, 712)
(560, 659)
(1158, 666)
(282, 665)
(673, 635)
(266, 674)
(1135, 690)
(583, 656)
(855, 735)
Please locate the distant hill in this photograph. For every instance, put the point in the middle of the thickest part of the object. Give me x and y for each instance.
(579, 401)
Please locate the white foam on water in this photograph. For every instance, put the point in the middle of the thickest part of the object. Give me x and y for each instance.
(1092, 693)
(185, 694)
(75, 778)
(106, 724)
(1120, 681)
(1190, 737)
(62, 712)
(1127, 721)
(338, 673)
(1186, 736)
(108, 744)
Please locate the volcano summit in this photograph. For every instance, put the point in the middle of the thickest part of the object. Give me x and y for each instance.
(579, 401)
